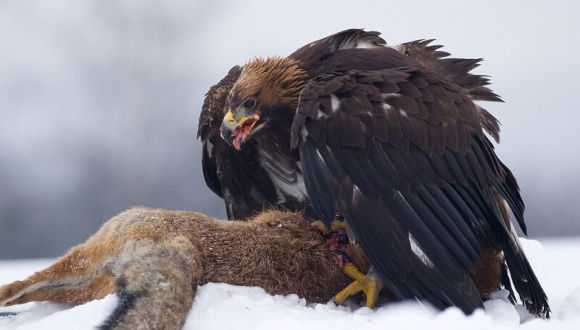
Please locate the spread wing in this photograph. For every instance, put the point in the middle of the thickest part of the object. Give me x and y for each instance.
(401, 154)
(234, 176)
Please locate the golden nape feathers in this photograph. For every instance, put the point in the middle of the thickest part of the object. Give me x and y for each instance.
(273, 80)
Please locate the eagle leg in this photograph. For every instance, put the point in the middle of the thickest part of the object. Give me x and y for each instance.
(370, 284)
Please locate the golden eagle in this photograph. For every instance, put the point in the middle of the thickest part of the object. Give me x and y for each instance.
(388, 139)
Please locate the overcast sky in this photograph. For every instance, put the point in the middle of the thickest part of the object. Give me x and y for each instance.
(99, 99)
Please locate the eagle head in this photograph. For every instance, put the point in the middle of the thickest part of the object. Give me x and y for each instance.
(264, 96)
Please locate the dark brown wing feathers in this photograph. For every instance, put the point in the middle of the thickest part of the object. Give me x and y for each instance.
(434, 123)
(456, 70)
(432, 177)
(213, 108)
(210, 119)
(314, 53)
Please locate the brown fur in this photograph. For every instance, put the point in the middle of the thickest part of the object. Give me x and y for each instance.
(155, 259)
(486, 273)
(156, 283)
(275, 80)
(139, 249)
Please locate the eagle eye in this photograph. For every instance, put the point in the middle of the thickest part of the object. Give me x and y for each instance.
(249, 103)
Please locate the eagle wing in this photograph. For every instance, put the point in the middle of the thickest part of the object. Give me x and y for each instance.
(312, 54)
(232, 175)
(401, 154)
(458, 71)
(210, 118)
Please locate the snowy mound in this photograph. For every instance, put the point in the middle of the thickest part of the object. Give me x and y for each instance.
(223, 306)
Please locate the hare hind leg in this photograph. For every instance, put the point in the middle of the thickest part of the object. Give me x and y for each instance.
(76, 278)
(76, 294)
(85, 272)
(155, 283)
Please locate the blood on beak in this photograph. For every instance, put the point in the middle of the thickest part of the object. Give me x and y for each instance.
(242, 132)
(234, 132)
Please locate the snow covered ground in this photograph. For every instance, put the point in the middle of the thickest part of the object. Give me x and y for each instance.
(222, 306)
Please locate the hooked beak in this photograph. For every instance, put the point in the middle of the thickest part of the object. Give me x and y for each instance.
(236, 132)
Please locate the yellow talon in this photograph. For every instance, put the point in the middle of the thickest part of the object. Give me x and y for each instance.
(367, 284)
(338, 225)
(321, 227)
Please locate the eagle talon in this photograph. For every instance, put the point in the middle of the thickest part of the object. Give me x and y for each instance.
(369, 284)
(338, 225)
(321, 227)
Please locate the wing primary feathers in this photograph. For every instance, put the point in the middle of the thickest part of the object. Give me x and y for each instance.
(480, 173)
(511, 193)
(451, 220)
(209, 169)
(526, 282)
(465, 167)
(397, 160)
(322, 195)
(454, 166)
(404, 272)
(353, 168)
(507, 283)
(416, 225)
(509, 187)
(385, 168)
(464, 253)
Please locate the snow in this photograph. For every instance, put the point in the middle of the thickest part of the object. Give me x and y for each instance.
(223, 306)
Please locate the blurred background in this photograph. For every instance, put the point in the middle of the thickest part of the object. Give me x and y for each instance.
(99, 99)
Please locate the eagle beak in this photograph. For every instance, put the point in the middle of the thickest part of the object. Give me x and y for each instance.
(236, 132)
